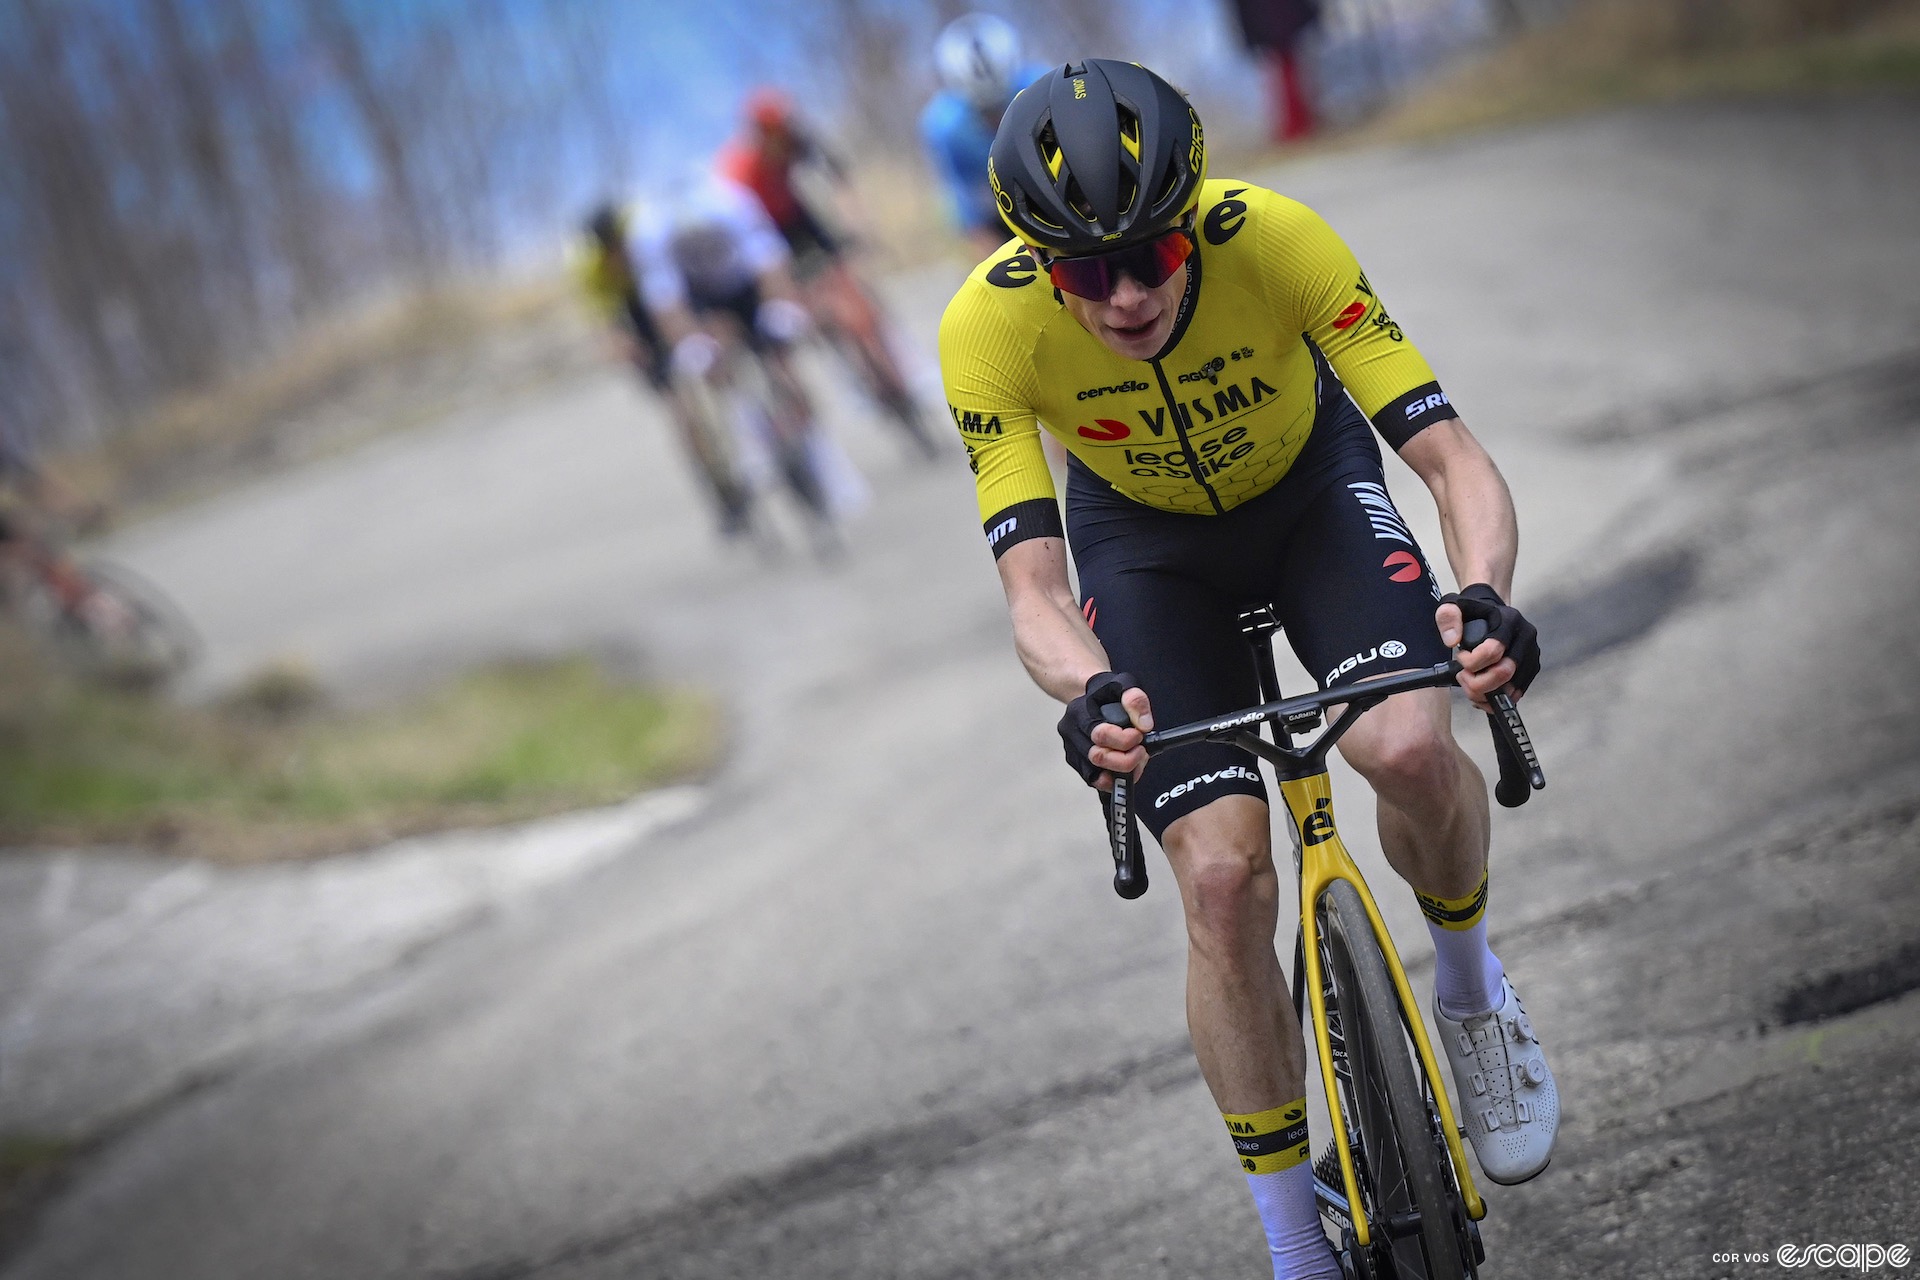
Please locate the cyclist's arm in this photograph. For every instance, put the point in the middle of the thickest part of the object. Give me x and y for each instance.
(1476, 509)
(1482, 535)
(1055, 644)
(1059, 649)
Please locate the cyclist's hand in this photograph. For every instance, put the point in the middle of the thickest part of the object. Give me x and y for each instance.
(1509, 657)
(695, 354)
(1098, 750)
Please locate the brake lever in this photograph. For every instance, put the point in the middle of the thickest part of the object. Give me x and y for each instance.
(1123, 829)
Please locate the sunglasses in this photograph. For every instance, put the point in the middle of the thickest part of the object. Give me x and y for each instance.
(1095, 276)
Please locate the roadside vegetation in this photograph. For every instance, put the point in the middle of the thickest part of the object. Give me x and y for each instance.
(1607, 52)
(273, 771)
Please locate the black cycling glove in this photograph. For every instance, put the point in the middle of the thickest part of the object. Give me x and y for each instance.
(1505, 624)
(1084, 712)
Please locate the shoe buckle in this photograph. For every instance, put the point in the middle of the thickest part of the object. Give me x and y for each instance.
(1523, 1028)
(1534, 1071)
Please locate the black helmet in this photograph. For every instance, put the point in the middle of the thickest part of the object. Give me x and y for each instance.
(1096, 156)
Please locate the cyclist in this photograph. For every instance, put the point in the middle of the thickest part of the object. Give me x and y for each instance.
(603, 263)
(712, 263)
(978, 57)
(1206, 350)
(764, 161)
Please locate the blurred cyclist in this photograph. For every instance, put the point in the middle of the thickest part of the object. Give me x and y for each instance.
(715, 270)
(764, 160)
(978, 57)
(604, 265)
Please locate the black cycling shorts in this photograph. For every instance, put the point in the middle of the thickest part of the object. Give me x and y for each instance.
(743, 304)
(1164, 592)
(808, 238)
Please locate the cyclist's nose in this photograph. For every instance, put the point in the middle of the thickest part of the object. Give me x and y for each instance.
(1127, 291)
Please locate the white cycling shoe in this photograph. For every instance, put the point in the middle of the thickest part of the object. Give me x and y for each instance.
(1507, 1100)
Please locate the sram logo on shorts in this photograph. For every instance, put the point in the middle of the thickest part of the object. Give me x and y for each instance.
(1385, 649)
(1231, 771)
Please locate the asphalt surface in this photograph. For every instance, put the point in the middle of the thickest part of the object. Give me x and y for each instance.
(865, 1006)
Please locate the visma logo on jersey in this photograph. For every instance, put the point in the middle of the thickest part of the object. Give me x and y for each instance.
(1385, 649)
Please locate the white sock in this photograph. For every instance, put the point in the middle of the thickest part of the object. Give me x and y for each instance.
(1295, 1238)
(1466, 973)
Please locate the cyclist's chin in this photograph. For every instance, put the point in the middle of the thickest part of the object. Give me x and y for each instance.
(1140, 341)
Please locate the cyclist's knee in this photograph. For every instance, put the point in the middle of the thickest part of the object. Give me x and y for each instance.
(1412, 762)
(1226, 866)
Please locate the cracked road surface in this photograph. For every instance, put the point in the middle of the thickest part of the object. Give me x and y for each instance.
(873, 1011)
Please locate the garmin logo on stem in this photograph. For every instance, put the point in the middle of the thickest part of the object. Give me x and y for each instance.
(1094, 393)
(1231, 771)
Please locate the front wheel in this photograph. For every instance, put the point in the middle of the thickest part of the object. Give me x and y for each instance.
(1419, 1227)
(123, 629)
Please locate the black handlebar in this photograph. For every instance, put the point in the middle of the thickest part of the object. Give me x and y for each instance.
(1520, 771)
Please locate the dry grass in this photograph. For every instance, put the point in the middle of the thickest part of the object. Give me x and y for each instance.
(1613, 51)
(274, 773)
(386, 365)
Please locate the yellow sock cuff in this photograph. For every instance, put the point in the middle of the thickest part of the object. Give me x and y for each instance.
(1271, 1141)
(1456, 913)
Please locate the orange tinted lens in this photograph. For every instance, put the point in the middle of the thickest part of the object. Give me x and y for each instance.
(1094, 277)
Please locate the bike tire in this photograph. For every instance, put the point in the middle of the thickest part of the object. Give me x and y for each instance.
(160, 645)
(1390, 1119)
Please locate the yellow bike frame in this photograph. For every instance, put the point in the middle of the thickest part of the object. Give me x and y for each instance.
(1322, 859)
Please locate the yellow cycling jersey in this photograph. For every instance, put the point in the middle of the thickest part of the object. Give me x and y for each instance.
(1223, 411)
(604, 278)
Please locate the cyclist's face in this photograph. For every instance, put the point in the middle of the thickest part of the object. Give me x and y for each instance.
(1135, 321)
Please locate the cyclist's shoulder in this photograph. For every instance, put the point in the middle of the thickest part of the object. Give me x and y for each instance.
(1008, 284)
(1230, 209)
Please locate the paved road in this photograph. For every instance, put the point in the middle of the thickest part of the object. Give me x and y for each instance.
(867, 1007)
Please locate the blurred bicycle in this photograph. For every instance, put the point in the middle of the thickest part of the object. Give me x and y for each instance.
(97, 619)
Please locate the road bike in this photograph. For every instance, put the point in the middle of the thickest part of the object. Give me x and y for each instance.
(1393, 1181)
(747, 421)
(97, 619)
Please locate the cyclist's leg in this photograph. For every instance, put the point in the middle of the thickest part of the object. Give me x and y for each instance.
(1358, 601)
(1206, 804)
